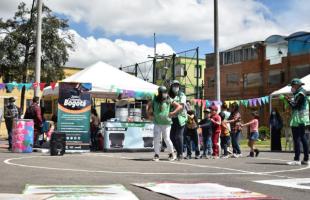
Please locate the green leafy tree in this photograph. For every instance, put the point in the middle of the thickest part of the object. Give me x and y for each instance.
(18, 46)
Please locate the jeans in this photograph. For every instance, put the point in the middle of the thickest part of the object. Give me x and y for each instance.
(9, 127)
(224, 144)
(192, 135)
(235, 142)
(162, 130)
(176, 136)
(207, 145)
(299, 135)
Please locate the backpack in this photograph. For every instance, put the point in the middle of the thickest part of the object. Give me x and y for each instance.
(30, 113)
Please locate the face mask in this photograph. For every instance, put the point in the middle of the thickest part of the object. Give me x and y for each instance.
(293, 90)
(175, 90)
(165, 96)
(273, 113)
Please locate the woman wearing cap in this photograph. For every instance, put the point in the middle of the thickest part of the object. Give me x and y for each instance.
(160, 109)
(12, 113)
(253, 134)
(179, 120)
(299, 121)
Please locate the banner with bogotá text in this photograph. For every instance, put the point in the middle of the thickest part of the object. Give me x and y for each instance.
(74, 106)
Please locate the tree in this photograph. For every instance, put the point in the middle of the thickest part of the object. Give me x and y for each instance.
(18, 42)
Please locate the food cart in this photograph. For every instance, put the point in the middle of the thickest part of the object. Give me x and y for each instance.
(128, 129)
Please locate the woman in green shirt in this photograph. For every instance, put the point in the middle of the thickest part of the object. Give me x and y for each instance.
(159, 108)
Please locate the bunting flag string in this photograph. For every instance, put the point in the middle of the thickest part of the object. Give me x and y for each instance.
(11, 86)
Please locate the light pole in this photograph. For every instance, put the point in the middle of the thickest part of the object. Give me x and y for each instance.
(38, 47)
(216, 52)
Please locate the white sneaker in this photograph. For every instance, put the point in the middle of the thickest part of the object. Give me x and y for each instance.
(172, 157)
(224, 157)
(239, 155)
(156, 158)
(305, 162)
(234, 155)
(295, 162)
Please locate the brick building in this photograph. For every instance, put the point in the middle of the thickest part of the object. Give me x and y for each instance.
(257, 69)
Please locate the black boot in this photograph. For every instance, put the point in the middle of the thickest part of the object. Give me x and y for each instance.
(251, 154)
(256, 152)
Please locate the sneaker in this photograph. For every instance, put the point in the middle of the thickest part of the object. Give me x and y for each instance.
(305, 162)
(203, 156)
(215, 157)
(239, 155)
(156, 158)
(224, 156)
(295, 162)
(197, 157)
(188, 157)
(171, 157)
(234, 155)
(180, 157)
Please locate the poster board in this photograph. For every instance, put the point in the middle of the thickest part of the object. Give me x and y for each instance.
(74, 106)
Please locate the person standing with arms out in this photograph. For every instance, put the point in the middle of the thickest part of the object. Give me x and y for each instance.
(254, 123)
(11, 113)
(276, 125)
(207, 131)
(191, 134)
(159, 109)
(34, 112)
(299, 120)
(216, 121)
(235, 126)
(179, 120)
(225, 135)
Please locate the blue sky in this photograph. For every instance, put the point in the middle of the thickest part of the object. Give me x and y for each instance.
(120, 32)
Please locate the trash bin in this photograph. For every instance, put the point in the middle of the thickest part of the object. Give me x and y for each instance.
(22, 138)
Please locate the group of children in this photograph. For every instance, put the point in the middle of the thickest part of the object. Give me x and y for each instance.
(224, 127)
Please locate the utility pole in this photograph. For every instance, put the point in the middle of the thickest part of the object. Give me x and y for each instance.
(173, 66)
(197, 73)
(38, 47)
(154, 60)
(216, 52)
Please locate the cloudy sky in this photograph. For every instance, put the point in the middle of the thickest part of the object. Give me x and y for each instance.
(120, 32)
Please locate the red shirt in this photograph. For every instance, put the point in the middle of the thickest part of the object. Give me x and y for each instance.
(217, 127)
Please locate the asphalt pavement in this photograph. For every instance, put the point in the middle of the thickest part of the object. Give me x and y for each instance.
(19, 169)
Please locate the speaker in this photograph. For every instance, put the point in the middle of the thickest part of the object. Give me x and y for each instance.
(116, 140)
(58, 144)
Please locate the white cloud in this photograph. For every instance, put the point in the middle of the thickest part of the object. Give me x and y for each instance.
(241, 21)
(117, 53)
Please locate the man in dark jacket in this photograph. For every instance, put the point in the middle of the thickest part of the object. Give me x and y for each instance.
(34, 112)
(11, 113)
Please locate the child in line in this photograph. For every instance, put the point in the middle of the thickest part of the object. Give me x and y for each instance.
(207, 130)
(216, 121)
(253, 134)
(225, 135)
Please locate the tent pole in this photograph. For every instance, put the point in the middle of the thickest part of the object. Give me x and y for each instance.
(270, 108)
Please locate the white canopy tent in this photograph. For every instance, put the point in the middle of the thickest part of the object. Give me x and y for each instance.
(105, 80)
(287, 89)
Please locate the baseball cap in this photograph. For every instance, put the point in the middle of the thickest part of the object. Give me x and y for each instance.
(207, 110)
(296, 81)
(175, 82)
(11, 99)
(162, 89)
(214, 108)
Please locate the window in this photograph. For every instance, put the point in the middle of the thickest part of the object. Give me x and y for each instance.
(301, 71)
(232, 79)
(276, 77)
(210, 82)
(252, 80)
(180, 70)
(199, 71)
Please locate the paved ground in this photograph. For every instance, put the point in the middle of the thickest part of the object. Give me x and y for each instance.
(16, 170)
